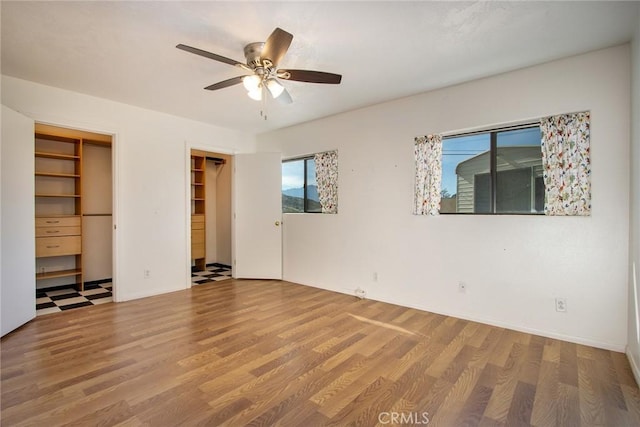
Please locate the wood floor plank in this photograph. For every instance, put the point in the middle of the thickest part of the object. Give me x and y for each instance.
(265, 352)
(521, 405)
(591, 398)
(568, 364)
(455, 400)
(503, 392)
(545, 410)
(568, 405)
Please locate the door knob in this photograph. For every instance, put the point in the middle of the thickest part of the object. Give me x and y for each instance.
(277, 223)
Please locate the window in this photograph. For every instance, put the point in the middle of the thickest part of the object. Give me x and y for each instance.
(299, 187)
(493, 172)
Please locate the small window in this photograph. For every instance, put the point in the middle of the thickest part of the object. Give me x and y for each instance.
(299, 188)
(493, 172)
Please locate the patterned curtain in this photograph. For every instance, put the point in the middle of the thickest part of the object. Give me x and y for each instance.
(428, 154)
(566, 164)
(327, 180)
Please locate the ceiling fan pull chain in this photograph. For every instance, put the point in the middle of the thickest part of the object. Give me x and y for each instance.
(263, 112)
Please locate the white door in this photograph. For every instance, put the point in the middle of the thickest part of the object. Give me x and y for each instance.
(258, 216)
(18, 272)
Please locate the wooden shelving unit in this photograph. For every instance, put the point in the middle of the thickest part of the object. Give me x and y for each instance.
(59, 273)
(198, 200)
(57, 156)
(58, 202)
(57, 175)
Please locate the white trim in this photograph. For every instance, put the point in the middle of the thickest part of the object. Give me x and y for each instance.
(188, 146)
(48, 119)
(154, 292)
(487, 321)
(634, 366)
(490, 127)
(306, 156)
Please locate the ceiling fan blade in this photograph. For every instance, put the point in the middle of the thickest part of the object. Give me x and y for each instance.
(310, 76)
(276, 46)
(209, 55)
(284, 98)
(226, 83)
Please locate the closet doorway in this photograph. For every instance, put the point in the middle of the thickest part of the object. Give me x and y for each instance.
(74, 222)
(210, 217)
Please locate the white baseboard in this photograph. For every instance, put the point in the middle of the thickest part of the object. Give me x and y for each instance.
(493, 322)
(634, 366)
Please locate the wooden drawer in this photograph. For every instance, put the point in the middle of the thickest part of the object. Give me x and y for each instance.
(57, 231)
(197, 222)
(58, 221)
(197, 236)
(197, 250)
(58, 246)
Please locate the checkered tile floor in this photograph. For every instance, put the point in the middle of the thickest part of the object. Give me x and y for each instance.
(68, 298)
(214, 273)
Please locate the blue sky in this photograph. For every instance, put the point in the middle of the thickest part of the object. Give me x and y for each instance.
(293, 174)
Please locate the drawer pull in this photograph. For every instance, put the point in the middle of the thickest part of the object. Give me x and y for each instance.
(53, 246)
(52, 231)
(52, 222)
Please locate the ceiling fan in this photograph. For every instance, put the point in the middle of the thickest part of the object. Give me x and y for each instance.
(262, 62)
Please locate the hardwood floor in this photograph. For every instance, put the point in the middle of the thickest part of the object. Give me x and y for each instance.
(276, 353)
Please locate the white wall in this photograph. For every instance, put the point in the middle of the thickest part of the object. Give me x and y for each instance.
(211, 203)
(218, 209)
(223, 212)
(150, 209)
(633, 345)
(515, 266)
(97, 196)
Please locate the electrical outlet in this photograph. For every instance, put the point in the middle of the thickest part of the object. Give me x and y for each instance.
(462, 287)
(147, 274)
(561, 305)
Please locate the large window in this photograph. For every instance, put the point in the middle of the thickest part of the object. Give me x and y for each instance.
(299, 187)
(494, 172)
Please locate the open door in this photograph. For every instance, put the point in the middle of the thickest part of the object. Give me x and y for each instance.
(18, 269)
(258, 216)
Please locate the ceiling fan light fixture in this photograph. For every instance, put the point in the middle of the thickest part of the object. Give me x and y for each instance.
(256, 94)
(262, 59)
(251, 83)
(274, 87)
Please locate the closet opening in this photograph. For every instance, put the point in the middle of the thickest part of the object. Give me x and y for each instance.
(74, 222)
(210, 217)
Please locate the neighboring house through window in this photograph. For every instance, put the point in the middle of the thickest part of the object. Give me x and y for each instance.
(493, 172)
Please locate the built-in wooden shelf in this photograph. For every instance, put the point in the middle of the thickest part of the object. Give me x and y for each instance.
(57, 156)
(59, 273)
(59, 195)
(198, 184)
(59, 235)
(58, 216)
(58, 175)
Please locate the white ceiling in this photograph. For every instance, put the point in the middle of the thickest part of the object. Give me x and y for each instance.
(125, 51)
